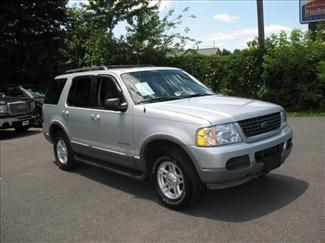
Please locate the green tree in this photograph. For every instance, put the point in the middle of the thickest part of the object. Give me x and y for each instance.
(31, 34)
(291, 65)
(77, 31)
(290, 71)
(148, 38)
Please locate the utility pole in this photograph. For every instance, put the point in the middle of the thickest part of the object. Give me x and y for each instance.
(260, 24)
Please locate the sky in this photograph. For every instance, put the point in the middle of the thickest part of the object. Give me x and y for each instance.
(228, 24)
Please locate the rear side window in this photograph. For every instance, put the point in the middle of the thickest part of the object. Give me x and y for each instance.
(54, 92)
(80, 92)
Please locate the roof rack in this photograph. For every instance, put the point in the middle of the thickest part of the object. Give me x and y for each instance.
(98, 68)
(85, 69)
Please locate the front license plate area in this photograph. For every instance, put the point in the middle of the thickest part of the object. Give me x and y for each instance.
(271, 157)
(25, 123)
(272, 162)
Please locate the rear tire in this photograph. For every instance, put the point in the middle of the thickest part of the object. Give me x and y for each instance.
(63, 153)
(175, 179)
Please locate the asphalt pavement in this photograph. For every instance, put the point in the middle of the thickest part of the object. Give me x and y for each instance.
(40, 203)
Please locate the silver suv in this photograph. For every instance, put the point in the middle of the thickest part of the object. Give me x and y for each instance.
(163, 124)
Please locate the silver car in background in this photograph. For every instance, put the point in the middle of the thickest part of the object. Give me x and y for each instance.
(163, 124)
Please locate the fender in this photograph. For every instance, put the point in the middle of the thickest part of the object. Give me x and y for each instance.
(168, 138)
(61, 125)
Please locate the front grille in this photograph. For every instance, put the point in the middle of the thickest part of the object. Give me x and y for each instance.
(19, 108)
(259, 125)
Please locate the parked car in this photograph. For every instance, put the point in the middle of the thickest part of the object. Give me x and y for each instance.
(38, 96)
(16, 111)
(163, 124)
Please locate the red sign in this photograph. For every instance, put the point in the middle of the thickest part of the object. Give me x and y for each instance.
(312, 11)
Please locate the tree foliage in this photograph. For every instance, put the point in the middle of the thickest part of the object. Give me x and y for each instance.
(39, 39)
(291, 65)
(290, 71)
(31, 33)
(148, 37)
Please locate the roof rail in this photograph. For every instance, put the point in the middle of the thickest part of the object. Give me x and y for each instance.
(97, 68)
(85, 69)
(129, 66)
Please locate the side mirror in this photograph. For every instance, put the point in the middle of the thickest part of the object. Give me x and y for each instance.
(115, 104)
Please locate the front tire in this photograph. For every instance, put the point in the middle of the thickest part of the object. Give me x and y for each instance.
(175, 180)
(63, 153)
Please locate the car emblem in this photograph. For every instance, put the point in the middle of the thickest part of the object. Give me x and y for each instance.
(265, 124)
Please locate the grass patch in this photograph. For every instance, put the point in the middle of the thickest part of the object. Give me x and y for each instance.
(305, 114)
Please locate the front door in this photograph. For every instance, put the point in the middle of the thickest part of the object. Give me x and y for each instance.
(111, 130)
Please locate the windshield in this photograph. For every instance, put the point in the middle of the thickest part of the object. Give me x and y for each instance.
(162, 85)
(11, 91)
(33, 93)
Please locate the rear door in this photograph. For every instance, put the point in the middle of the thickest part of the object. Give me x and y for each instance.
(77, 112)
(50, 107)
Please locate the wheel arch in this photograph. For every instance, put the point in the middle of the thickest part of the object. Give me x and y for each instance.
(147, 152)
(56, 127)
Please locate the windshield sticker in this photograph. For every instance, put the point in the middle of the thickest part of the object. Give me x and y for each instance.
(144, 89)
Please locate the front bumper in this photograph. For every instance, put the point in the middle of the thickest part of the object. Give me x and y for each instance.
(212, 161)
(10, 122)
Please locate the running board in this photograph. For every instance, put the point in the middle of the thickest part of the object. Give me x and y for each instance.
(137, 175)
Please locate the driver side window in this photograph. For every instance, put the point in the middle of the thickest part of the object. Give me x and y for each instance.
(106, 89)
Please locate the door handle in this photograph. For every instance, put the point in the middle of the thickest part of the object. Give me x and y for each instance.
(65, 113)
(95, 117)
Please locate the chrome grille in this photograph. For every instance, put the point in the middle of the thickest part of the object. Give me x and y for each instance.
(18, 108)
(259, 125)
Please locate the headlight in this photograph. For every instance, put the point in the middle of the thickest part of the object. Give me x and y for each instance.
(3, 108)
(217, 135)
(283, 118)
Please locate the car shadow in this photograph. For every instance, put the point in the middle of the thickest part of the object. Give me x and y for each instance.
(252, 200)
(140, 189)
(8, 134)
(246, 202)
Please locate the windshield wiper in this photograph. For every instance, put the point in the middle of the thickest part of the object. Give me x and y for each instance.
(195, 95)
(160, 99)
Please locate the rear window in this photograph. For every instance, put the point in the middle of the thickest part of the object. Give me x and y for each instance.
(80, 92)
(54, 92)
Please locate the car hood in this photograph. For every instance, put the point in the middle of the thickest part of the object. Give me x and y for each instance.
(8, 99)
(218, 109)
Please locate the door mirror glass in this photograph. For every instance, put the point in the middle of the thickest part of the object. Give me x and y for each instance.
(115, 104)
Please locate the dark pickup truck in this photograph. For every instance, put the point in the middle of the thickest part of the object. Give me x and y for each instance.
(16, 112)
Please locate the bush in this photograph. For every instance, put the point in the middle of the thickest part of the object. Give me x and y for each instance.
(243, 72)
(290, 71)
(291, 66)
(209, 70)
